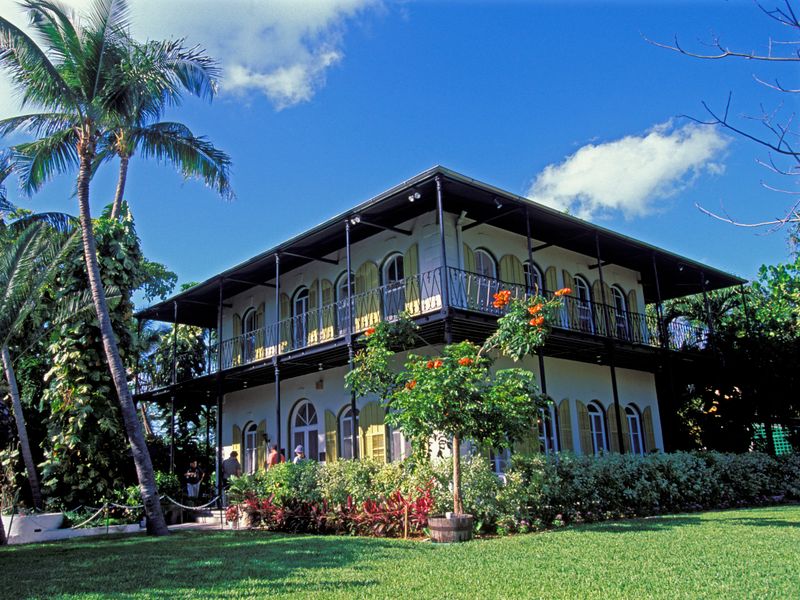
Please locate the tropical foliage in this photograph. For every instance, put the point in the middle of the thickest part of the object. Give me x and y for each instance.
(457, 393)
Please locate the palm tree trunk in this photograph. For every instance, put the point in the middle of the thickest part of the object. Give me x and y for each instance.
(3, 540)
(458, 506)
(22, 431)
(116, 208)
(148, 428)
(141, 456)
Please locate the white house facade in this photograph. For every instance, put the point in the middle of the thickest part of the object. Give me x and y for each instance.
(437, 247)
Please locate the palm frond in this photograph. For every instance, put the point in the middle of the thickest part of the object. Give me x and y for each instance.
(195, 157)
(31, 71)
(37, 124)
(38, 162)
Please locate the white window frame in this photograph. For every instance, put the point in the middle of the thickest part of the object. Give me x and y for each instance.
(635, 433)
(537, 281)
(250, 445)
(249, 334)
(341, 302)
(583, 296)
(548, 432)
(307, 429)
(487, 284)
(597, 427)
(394, 286)
(346, 443)
(300, 317)
(620, 312)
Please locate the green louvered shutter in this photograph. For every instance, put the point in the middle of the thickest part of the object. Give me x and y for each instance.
(261, 444)
(331, 437)
(328, 310)
(368, 301)
(237, 340)
(411, 272)
(649, 431)
(285, 326)
(584, 428)
(565, 425)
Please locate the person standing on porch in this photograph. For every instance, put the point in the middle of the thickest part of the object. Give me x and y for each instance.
(194, 477)
(299, 454)
(274, 457)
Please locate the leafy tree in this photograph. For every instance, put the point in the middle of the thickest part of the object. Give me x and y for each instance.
(79, 82)
(456, 393)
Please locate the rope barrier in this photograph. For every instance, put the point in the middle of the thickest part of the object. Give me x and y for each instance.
(90, 519)
(183, 506)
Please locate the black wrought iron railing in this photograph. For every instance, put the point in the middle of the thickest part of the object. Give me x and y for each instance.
(418, 295)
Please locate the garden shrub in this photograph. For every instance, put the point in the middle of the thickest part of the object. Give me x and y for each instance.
(369, 498)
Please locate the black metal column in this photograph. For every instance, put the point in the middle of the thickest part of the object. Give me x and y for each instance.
(610, 346)
(531, 270)
(707, 304)
(220, 391)
(174, 380)
(666, 358)
(448, 335)
(275, 361)
(349, 336)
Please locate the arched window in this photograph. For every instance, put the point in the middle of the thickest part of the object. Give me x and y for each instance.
(584, 300)
(487, 284)
(250, 457)
(300, 317)
(341, 302)
(394, 287)
(346, 433)
(250, 327)
(305, 429)
(533, 277)
(635, 429)
(548, 434)
(597, 423)
(620, 312)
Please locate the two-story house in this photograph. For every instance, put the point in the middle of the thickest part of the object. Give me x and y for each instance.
(438, 246)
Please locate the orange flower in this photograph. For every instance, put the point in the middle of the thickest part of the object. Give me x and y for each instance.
(536, 308)
(466, 361)
(411, 384)
(437, 364)
(501, 299)
(429, 364)
(537, 321)
(562, 292)
(369, 331)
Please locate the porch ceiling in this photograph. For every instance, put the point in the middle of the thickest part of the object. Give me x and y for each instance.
(678, 276)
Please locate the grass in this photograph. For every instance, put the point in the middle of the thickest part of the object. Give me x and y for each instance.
(752, 553)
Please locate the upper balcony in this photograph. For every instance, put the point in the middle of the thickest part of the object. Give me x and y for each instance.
(422, 296)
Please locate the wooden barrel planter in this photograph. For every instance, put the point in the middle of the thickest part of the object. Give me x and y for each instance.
(447, 530)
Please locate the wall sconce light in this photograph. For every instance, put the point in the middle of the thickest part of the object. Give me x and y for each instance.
(681, 268)
(355, 220)
(498, 204)
(414, 196)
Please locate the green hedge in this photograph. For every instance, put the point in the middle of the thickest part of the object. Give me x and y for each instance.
(540, 491)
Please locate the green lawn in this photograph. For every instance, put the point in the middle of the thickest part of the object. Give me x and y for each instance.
(734, 554)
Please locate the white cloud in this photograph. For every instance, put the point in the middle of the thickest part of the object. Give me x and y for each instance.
(279, 48)
(632, 174)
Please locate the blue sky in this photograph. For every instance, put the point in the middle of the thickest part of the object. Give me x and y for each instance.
(325, 106)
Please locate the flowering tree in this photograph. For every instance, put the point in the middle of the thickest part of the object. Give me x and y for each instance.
(456, 393)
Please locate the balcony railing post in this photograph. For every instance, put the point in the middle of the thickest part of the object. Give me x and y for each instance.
(349, 334)
(275, 362)
(445, 271)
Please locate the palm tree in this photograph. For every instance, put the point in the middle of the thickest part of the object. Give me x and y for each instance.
(75, 92)
(169, 68)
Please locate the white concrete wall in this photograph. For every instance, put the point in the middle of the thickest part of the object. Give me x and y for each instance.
(565, 379)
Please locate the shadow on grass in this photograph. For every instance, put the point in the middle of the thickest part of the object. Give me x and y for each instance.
(207, 564)
(661, 523)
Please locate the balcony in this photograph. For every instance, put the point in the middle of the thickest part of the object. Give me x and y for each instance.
(418, 296)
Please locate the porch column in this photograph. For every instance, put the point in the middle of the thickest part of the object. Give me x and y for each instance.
(172, 434)
(275, 363)
(666, 358)
(219, 380)
(349, 335)
(610, 345)
(448, 336)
